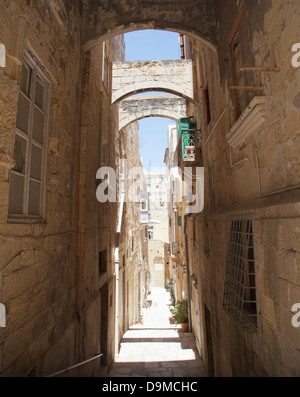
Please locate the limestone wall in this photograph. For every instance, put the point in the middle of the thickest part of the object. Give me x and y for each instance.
(59, 301)
(139, 107)
(37, 260)
(112, 18)
(258, 178)
(157, 263)
(174, 76)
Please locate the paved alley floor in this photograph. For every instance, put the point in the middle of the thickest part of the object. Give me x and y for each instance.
(157, 348)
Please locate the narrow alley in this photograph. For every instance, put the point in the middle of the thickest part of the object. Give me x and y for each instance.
(108, 216)
(157, 348)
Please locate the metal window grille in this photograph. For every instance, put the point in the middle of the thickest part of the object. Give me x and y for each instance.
(239, 300)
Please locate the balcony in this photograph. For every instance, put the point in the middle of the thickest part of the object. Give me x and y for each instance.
(189, 147)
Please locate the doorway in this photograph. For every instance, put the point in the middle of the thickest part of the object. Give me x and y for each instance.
(197, 323)
(124, 302)
(104, 325)
(209, 343)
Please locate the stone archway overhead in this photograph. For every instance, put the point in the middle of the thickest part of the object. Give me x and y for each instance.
(174, 76)
(103, 19)
(139, 107)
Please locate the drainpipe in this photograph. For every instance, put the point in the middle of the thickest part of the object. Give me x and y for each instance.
(186, 217)
(117, 262)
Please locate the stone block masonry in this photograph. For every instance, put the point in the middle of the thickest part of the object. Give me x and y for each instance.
(37, 258)
(110, 17)
(136, 108)
(59, 302)
(130, 78)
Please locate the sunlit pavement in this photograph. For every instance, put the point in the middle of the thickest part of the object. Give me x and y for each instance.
(157, 348)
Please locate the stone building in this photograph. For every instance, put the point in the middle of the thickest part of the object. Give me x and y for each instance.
(70, 278)
(243, 248)
(158, 232)
(58, 242)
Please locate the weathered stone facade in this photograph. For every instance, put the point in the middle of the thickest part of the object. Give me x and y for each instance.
(131, 78)
(139, 107)
(58, 267)
(251, 172)
(109, 18)
(38, 260)
(158, 226)
(57, 273)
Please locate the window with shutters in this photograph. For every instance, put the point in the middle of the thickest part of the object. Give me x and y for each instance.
(27, 180)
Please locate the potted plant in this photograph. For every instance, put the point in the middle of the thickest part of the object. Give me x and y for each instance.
(181, 314)
(140, 319)
(170, 288)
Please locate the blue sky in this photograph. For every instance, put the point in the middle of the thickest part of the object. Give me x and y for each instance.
(155, 45)
(152, 45)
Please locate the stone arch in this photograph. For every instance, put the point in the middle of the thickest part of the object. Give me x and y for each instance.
(138, 88)
(108, 18)
(140, 107)
(166, 116)
(174, 76)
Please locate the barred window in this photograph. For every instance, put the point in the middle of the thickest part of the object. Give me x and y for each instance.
(27, 180)
(239, 300)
